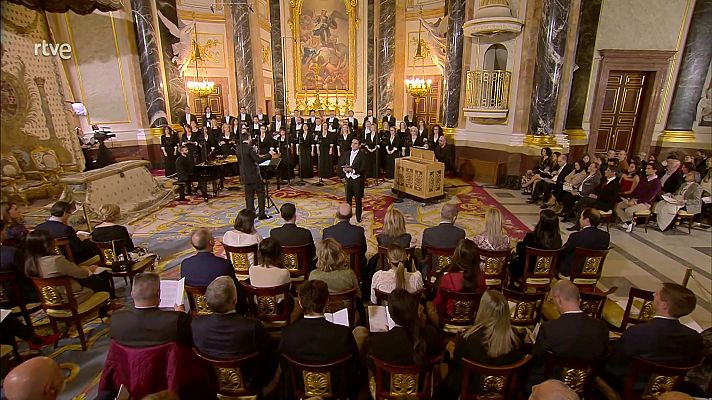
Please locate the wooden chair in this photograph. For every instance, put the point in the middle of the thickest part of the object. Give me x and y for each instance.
(437, 261)
(296, 260)
(642, 216)
(398, 381)
(576, 374)
(493, 382)
(117, 259)
(638, 309)
(660, 378)
(60, 304)
(382, 297)
(239, 258)
(264, 304)
(63, 248)
(525, 309)
(496, 265)
(587, 267)
(539, 269)
(329, 380)
(354, 254)
(340, 300)
(591, 303)
(607, 217)
(464, 306)
(196, 300)
(383, 258)
(234, 375)
(11, 298)
(685, 217)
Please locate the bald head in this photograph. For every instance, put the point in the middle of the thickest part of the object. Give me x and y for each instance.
(565, 295)
(202, 240)
(449, 212)
(553, 390)
(344, 212)
(38, 378)
(675, 396)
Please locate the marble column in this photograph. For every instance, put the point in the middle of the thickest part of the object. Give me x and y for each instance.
(277, 57)
(175, 85)
(386, 55)
(693, 69)
(150, 63)
(549, 60)
(244, 76)
(588, 28)
(452, 79)
(370, 58)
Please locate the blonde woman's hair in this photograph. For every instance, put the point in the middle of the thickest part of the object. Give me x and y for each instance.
(493, 227)
(493, 319)
(110, 212)
(330, 256)
(393, 223)
(397, 257)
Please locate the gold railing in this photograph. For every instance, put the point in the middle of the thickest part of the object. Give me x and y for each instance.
(487, 90)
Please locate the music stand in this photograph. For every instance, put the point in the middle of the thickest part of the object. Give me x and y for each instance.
(273, 164)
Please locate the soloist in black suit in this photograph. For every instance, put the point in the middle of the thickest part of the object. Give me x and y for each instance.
(290, 234)
(250, 176)
(146, 327)
(589, 238)
(355, 186)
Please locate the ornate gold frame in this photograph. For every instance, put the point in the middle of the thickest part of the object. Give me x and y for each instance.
(351, 9)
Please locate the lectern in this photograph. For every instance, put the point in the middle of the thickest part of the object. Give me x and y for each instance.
(419, 175)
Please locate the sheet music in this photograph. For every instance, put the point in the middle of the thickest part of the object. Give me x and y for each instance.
(4, 313)
(172, 293)
(379, 319)
(340, 317)
(123, 393)
(99, 270)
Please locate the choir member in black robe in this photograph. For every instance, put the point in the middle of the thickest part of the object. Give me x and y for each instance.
(371, 119)
(190, 140)
(286, 153)
(414, 140)
(371, 144)
(393, 149)
(422, 129)
(343, 141)
(169, 147)
(352, 122)
(403, 132)
(207, 114)
(255, 128)
(304, 151)
(265, 143)
(325, 151)
(445, 153)
(410, 119)
(293, 123)
(244, 119)
(333, 123)
(226, 140)
(277, 122)
(262, 118)
(434, 138)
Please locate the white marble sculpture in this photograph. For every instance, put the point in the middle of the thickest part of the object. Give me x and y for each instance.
(183, 49)
(436, 40)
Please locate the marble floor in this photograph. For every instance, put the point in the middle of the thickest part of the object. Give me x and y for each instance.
(640, 259)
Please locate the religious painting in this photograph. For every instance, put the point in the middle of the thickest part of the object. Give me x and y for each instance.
(325, 39)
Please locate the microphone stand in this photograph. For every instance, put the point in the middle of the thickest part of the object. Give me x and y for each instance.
(300, 182)
(318, 160)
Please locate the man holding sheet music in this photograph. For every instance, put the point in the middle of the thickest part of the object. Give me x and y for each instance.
(353, 164)
(145, 324)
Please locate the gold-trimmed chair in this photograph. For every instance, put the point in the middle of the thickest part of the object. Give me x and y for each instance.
(683, 216)
(539, 269)
(62, 247)
(383, 258)
(494, 382)
(240, 260)
(587, 267)
(399, 382)
(329, 380)
(265, 305)
(11, 298)
(21, 184)
(233, 376)
(382, 297)
(638, 309)
(654, 379)
(464, 310)
(525, 310)
(437, 260)
(60, 305)
(117, 259)
(496, 265)
(644, 216)
(196, 300)
(344, 299)
(354, 255)
(296, 260)
(577, 374)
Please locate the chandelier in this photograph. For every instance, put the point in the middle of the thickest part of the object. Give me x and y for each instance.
(199, 87)
(418, 87)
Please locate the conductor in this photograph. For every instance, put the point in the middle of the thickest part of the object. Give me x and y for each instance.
(250, 174)
(354, 166)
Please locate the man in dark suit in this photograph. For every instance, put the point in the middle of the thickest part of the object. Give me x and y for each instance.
(389, 118)
(590, 237)
(589, 184)
(370, 118)
(353, 123)
(204, 267)
(244, 119)
(445, 153)
(145, 325)
(250, 175)
(603, 198)
(187, 117)
(277, 122)
(333, 122)
(313, 339)
(311, 120)
(345, 233)
(354, 167)
(263, 118)
(444, 236)
(543, 189)
(58, 227)
(662, 340)
(184, 172)
(290, 234)
(573, 335)
(226, 119)
(672, 179)
(224, 334)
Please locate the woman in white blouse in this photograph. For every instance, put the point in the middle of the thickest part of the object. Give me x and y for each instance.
(270, 272)
(396, 277)
(244, 233)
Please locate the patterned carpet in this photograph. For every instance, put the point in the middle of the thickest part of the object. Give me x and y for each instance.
(166, 232)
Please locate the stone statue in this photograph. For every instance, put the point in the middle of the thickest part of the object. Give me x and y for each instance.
(705, 108)
(436, 40)
(183, 49)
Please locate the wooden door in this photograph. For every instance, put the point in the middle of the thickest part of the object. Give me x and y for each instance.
(620, 117)
(428, 107)
(214, 100)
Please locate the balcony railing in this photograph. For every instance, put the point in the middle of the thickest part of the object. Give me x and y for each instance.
(487, 93)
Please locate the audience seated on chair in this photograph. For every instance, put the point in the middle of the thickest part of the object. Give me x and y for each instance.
(671, 178)
(38, 378)
(204, 267)
(640, 200)
(108, 230)
(393, 231)
(82, 249)
(494, 236)
(11, 327)
(688, 197)
(444, 236)
(630, 179)
(604, 198)
(43, 262)
(546, 236)
(290, 234)
(543, 190)
(663, 339)
(396, 277)
(146, 325)
(226, 335)
(491, 341)
(271, 272)
(12, 259)
(332, 267)
(553, 390)
(16, 229)
(588, 185)
(573, 335)
(345, 233)
(243, 233)
(589, 237)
